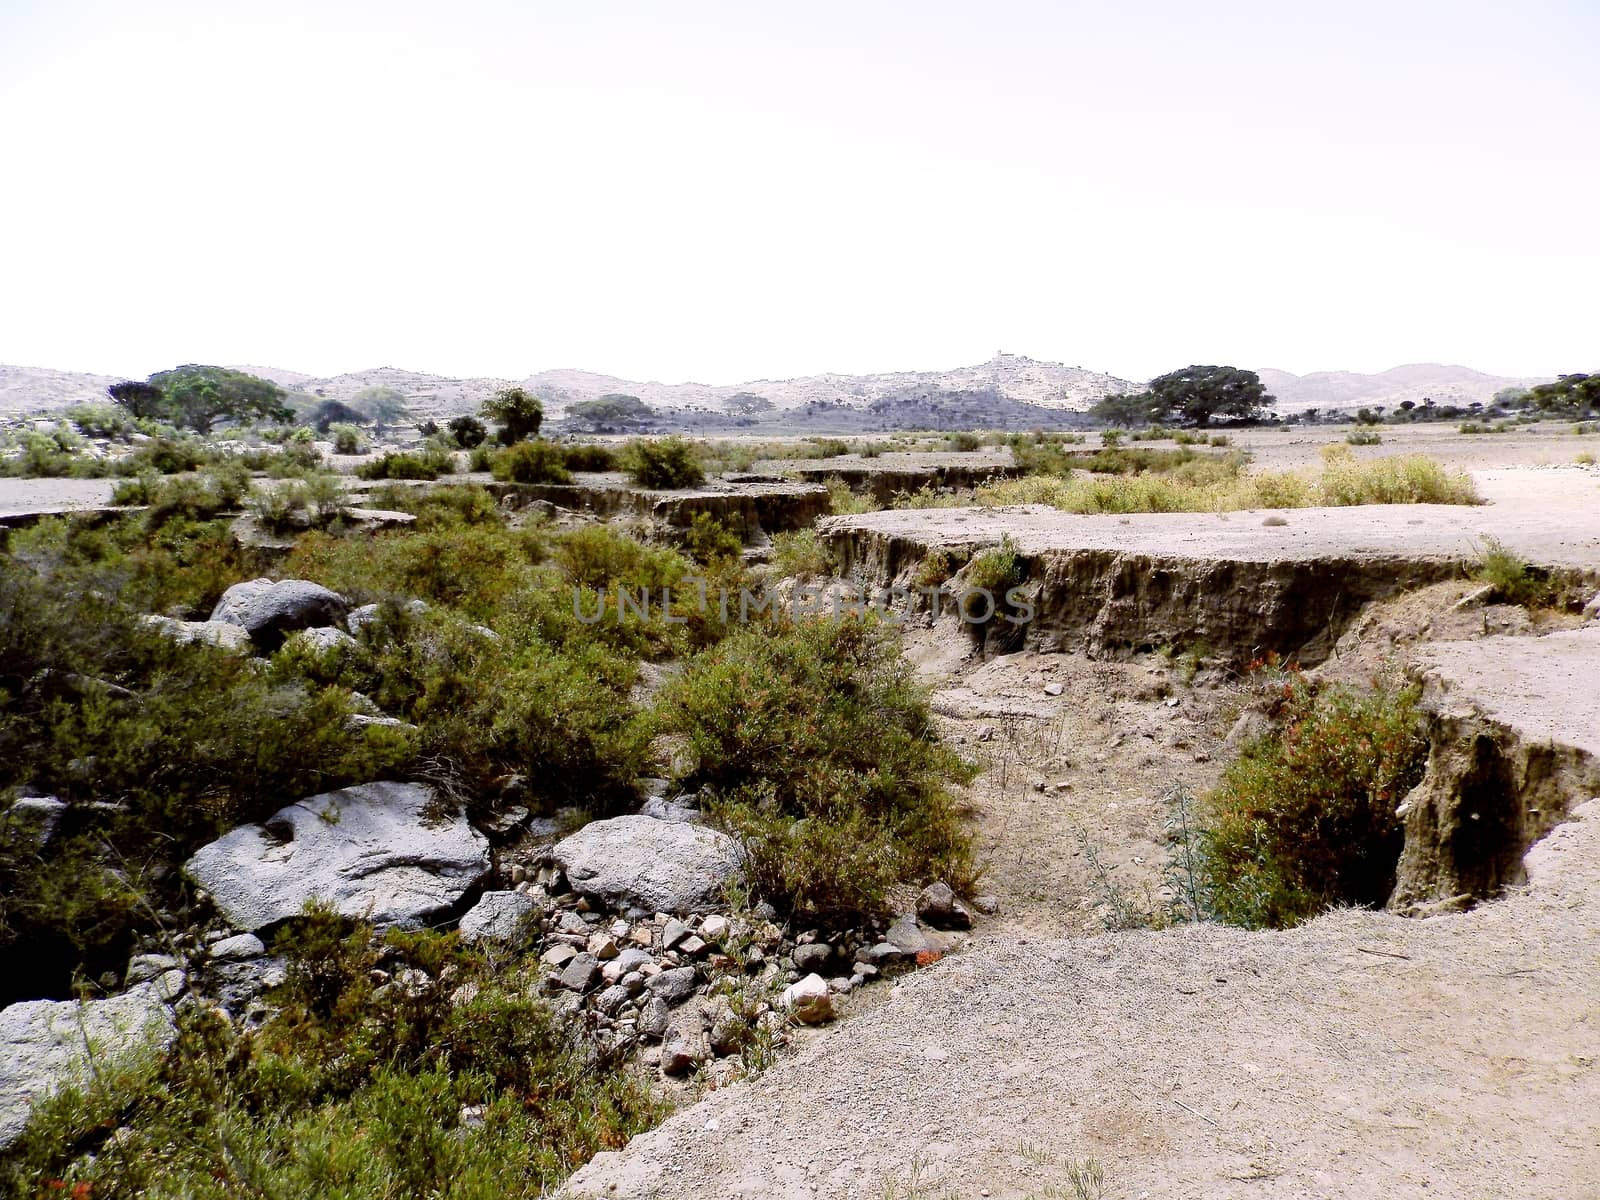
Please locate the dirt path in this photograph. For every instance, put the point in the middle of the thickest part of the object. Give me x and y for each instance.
(1361, 1055)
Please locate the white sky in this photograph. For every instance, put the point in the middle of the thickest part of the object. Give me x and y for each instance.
(730, 191)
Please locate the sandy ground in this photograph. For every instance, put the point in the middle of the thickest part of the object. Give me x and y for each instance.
(1550, 517)
(53, 495)
(1549, 443)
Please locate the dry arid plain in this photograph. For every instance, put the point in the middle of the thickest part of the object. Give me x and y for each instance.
(1074, 1035)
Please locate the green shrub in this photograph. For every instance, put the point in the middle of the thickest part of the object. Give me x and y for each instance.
(1305, 819)
(195, 497)
(347, 438)
(818, 748)
(535, 461)
(801, 555)
(986, 579)
(492, 707)
(350, 1089)
(473, 569)
(185, 740)
(102, 421)
(842, 501)
(964, 442)
(440, 507)
(934, 569)
(663, 463)
(166, 456)
(1363, 437)
(588, 457)
(823, 447)
(314, 502)
(1513, 580)
(430, 464)
(707, 540)
(467, 433)
(597, 556)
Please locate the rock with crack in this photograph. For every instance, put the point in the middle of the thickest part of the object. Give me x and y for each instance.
(268, 610)
(498, 917)
(48, 1042)
(638, 862)
(373, 852)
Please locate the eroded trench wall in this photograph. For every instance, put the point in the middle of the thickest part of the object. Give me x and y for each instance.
(1488, 793)
(1113, 604)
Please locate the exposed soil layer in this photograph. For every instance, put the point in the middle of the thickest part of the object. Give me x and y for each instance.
(1362, 1055)
(748, 506)
(1229, 583)
(907, 471)
(1514, 742)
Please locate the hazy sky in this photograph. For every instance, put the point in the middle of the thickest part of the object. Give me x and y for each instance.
(729, 191)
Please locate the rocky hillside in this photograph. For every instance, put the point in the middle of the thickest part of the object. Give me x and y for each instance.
(36, 389)
(1012, 377)
(1001, 384)
(1416, 382)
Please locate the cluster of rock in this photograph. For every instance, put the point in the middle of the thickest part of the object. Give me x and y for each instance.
(628, 922)
(627, 917)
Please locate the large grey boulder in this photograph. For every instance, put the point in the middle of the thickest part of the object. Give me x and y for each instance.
(269, 609)
(46, 1044)
(642, 863)
(371, 852)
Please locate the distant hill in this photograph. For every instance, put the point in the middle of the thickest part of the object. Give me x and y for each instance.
(1416, 382)
(39, 389)
(1014, 378)
(1008, 384)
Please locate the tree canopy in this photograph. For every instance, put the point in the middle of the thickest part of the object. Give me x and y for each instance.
(382, 406)
(1193, 395)
(518, 413)
(1199, 393)
(1124, 408)
(198, 396)
(140, 399)
(1569, 393)
(612, 409)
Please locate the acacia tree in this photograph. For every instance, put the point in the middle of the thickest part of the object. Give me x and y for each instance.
(139, 399)
(1122, 408)
(197, 397)
(1196, 394)
(518, 413)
